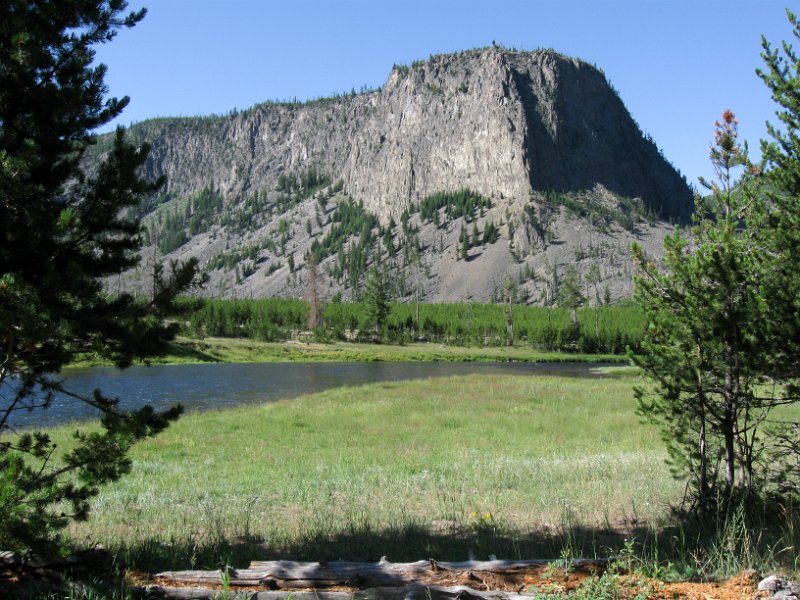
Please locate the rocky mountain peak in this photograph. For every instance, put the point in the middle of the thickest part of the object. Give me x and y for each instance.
(534, 133)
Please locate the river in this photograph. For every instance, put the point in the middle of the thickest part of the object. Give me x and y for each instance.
(207, 386)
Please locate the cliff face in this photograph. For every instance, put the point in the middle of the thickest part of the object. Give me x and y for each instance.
(497, 122)
(542, 136)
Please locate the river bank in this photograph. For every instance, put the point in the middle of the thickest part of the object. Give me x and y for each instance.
(185, 350)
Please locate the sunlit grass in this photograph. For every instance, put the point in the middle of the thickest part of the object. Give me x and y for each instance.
(536, 454)
(189, 350)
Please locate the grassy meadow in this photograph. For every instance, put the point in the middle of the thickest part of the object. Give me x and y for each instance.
(190, 350)
(516, 466)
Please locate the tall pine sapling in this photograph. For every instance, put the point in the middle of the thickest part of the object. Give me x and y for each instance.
(376, 299)
(702, 353)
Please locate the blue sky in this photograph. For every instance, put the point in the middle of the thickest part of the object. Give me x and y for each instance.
(676, 63)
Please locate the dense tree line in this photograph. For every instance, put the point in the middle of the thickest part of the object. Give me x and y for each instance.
(609, 329)
(462, 203)
(627, 213)
(305, 182)
(171, 228)
(351, 238)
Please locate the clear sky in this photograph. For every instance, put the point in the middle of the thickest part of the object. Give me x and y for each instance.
(676, 63)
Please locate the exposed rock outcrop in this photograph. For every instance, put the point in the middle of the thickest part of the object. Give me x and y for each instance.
(498, 122)
(515, 127)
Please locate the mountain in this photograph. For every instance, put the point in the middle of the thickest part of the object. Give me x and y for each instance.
(459, 172)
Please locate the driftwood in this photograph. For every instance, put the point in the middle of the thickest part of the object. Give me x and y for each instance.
(342, 580)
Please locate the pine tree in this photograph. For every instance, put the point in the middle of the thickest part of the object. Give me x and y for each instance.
(463, 238)
(593, 277)
(781, 211)
(569, 293)
(781, 220)
(63, 229)
(377, 301)
(723, 324)
(702, 349)
(509, 298)
(312, 291)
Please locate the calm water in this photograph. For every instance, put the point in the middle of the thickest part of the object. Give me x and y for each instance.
(200, 387)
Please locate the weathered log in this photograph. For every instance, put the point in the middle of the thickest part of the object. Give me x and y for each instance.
(408, 592)
(288, 575)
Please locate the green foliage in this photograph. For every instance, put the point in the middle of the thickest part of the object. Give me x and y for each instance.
(229, 260)
(305, 182)
(570, 294)
(202, 207)
(376, 301)
(781, 217)
(461, 324)
(173, 224)
(463, 203)
(708, 347)
(490, 233)
(254, 211)
(63, 230)
(350, 219)
(627, 213)
(266, 320)
(723, 326)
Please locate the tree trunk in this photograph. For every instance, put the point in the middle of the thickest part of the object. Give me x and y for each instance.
(703, 491)
(730, 451)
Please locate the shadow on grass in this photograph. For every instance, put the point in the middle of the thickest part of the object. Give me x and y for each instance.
(689, 549)
(189, 351)
(407, 543)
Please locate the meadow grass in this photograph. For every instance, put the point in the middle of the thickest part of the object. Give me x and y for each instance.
(186, 350)
(516, 466)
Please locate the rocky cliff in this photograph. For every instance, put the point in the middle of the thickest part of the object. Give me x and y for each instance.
(542, 136)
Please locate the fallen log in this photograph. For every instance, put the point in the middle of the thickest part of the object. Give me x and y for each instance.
(292, 575)
(407, 592)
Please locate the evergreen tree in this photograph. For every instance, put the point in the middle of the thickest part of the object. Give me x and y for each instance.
(702, 349)
(781, 211)
(723, 319)
(509, 298)
(593, 277)
(781, 222)
(312, 291)
(377, 300)
(551, 285)
(569, 293)
(463, 239)
(63, 229)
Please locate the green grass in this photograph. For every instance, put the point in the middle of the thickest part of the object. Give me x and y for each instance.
(189, 350)
(505, 465)
(515, 466)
